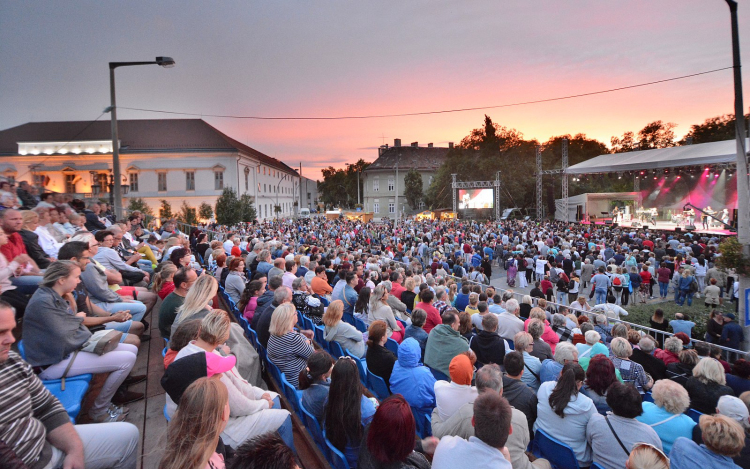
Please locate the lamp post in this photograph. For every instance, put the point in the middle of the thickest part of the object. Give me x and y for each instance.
(116, 197)
(743, 186)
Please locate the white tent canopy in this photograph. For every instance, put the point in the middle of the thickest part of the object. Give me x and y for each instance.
(660, 158)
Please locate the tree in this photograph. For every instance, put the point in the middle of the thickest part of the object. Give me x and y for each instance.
(413, 188)
(713, 129)
(339, 186)
(138, 204)
(247, 210)
(657, 134)
(228, 211)
(205, 211)
(187, 214)
(165, 211)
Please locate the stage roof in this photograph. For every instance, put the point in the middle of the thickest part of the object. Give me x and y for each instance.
(660, 158)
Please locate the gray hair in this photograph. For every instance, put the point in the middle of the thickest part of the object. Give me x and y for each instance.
(536, 328)
(512, 305)
(439, 292)
(601, 319)
(489, 377)
(304, 260)
(522, 340)
(565, 351)
(298, 282)
(558, 319)
(647, 344)
(585, 327)
(281, 294)
(673, 344)
(621, 348)
(592, 337)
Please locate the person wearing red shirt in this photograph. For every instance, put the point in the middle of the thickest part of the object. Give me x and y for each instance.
(433, 315)
(546, 285)
(647, 243)
(396, 285)
(11, 223)
(646, 283)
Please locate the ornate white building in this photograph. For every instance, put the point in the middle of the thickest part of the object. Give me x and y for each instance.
(161, 159)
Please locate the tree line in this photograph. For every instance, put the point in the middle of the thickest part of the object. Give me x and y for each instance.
(230, 209)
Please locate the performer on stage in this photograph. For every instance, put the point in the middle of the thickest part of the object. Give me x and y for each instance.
(705, 219)
(690, 216)
(654, 212)
(616, 214)
(725, 216)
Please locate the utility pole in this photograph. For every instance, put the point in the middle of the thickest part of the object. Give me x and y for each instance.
(565, 178)
(399, 158)
(743, 196)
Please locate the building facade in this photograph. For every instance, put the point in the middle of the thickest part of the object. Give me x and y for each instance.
(161, 159)
(308, 193)
(384, 178)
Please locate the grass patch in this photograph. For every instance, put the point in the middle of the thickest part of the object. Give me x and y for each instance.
(698, 313)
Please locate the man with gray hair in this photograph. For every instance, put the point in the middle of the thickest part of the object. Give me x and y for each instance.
(565, 353)
(508, 323)
(257, 248)
(559, 326)
(644, 355)
(489, 379)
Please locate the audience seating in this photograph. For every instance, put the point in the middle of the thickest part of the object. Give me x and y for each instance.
(596, 466)
(392, 345)
(292, 395)
(166, 415)
(545, 446)
(336, 457)
(335, 349)
(360, 325)
(348, 318)
(313, 426)
(319, 336)
(694, 414)
(377, 386)
(361, 366)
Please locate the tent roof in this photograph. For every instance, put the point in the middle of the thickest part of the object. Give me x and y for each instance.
(660, 158)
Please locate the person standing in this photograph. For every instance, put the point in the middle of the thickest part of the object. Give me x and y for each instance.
(732, 334)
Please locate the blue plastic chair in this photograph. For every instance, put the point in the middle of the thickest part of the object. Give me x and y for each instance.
(361, 366)
(72, 398)
(164, 352)
(323, 300)
(348, 318)
(313, 427)
(647, 397)
(694, 414)
(166, 415)
(275, 372)
(307, 323)
(300, 321)
(377, 386)
(596, 465)
(439, 375)
(292, 395)
(360, 325)
(335, 349)
(320, 336)
(545, 446)
(336, 457)
(423, 420)
(511, 344)
(392, 345)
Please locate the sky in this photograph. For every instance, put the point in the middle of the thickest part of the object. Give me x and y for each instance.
(335, 58)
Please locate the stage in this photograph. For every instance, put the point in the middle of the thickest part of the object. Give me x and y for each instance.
(668, 226)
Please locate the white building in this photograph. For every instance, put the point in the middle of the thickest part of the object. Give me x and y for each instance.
(384, 178)
(161, 159)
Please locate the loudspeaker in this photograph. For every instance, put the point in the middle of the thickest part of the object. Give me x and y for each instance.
(579, 212)
(677, 229)
(645, 227)
(607, 222)
(690, 228)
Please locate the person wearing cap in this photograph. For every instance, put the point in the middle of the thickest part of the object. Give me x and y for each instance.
(253, 411)
(450, 396)
(731, 334)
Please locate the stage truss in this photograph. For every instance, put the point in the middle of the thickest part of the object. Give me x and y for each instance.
(455, 185)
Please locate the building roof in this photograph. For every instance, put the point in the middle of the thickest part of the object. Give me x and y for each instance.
(660, 158)
(419, 158)
(136, 136)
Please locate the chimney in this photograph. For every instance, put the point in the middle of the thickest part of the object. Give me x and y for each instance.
(450, 144)
(396, 142)
(429, 145)
(415, 144)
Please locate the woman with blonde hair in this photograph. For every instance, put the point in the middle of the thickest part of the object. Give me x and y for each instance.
(287, 348)
(666, 414)
(337, 330)
(193, 439)
(381, 310)
(253, 410)
(198, 300)
(408, 296)
(163, 284)
(646, 456)
(31, 240)
(452, 292)
(707, 385)
(723, 439)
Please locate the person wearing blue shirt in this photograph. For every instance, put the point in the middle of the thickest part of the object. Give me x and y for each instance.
(731, 334)
(415, 330)
(411, 379)
(723, 438)
(681, 323)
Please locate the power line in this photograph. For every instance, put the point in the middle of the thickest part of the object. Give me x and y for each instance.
(424, 113)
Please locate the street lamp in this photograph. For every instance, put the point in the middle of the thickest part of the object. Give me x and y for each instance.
(166, 62)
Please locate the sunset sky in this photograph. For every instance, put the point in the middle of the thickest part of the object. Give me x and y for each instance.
(336, 58)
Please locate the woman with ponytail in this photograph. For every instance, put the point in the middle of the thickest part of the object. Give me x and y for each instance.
(315, 381)
(564, 413)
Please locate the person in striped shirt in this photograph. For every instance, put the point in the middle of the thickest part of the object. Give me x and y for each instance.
(36, 428)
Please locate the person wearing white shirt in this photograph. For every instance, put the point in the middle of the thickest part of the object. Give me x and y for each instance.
(492, 423)
(611, 310)
(48, 243)
(229, 244)
(449, 397)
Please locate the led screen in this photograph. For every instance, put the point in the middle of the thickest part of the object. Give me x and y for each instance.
(475, 198)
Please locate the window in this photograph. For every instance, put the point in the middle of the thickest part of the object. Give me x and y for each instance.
(133, 182)
(103, 182)
(376, 207)
(390, 184)
(375, 185)
(218, 180)
(70, 185)
(421, 205)
(391, 207)
(39, 180)
(162, 182)
(190, 181)
(247, 179)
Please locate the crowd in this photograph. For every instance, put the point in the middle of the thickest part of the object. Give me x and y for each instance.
(492, 368)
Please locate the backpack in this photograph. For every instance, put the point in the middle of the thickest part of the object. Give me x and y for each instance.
(617, 282)
(553, 275)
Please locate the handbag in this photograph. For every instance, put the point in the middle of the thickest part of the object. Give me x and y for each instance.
(99, 343)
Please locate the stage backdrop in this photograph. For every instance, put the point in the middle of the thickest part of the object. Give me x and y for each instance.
(667, 192)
